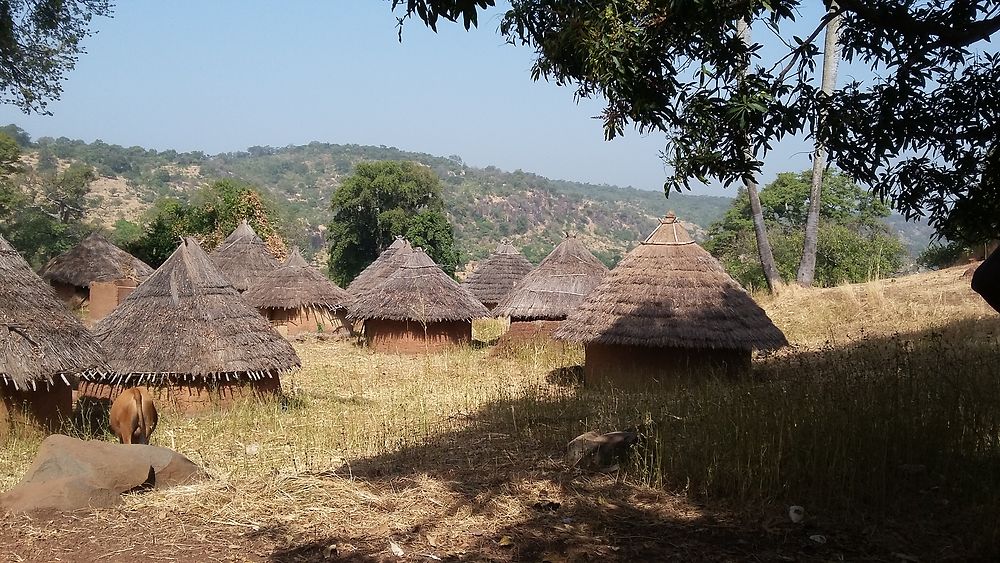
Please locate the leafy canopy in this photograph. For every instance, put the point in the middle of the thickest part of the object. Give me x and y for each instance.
(854, 244)
(379, 201)
(211, 215)
(921, 131)
(39, 44)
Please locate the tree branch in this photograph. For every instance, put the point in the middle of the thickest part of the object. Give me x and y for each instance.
(902, 21)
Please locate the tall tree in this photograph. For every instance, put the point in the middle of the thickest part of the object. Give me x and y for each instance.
(921, 131)
(854, 243)
(40, 41)
(831, 58)
(380, 201)
(771, 273)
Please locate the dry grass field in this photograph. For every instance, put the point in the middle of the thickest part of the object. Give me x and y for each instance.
(882, 420)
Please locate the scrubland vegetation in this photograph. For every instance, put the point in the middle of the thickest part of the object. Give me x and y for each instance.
(882, 420)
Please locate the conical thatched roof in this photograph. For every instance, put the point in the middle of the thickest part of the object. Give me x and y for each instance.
(40, 340)
(377, 272)
(418, 291)
(494, 278)
(95, 259)
(295, 284)
(670, 292)
(556, 287)
(186, 320)
(243, 258)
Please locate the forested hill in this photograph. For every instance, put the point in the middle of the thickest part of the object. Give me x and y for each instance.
(484, 204)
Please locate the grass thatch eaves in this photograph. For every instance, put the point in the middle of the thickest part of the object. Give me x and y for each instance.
(95, 259)
(186, 321)
(494, 278)
(383, 266)
(243, 258)
(556, 287)
(296, 284)
(418, 290)
(40, 339)
(670, 293)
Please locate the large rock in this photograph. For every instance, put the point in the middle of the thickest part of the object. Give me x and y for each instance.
(69, 474)
(600, 452)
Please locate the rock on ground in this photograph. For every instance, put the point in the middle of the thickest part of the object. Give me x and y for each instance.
(69, 474)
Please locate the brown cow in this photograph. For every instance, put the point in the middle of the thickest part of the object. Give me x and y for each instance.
(133, 416)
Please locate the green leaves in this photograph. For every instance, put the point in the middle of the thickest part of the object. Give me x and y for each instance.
(381, 200)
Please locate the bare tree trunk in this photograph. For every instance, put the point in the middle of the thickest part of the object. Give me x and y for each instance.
(771, 274)
(831, 57)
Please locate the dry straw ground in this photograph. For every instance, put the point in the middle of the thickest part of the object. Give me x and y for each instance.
(883, 420)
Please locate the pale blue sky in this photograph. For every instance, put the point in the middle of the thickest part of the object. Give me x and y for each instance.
(224, 75)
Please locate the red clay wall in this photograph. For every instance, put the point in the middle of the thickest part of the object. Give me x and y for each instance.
(410, 337)
(640, 366)
(291, 322)
(45, 408)
(187, 396)
(529, 330)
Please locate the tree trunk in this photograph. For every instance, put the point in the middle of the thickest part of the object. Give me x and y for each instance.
(831, 57)
(771, 274)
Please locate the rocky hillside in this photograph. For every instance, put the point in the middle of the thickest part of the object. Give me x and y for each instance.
(485, 204)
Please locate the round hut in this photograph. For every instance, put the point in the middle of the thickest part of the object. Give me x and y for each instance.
(243, 258)
(297, 298)
(550, 292)
(494, 278)
(43, 348)
(388, 262)
(188, 336)
(668, 310)
(95, 276)
(418, 308)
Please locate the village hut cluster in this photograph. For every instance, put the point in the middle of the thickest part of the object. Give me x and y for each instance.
(205, 329)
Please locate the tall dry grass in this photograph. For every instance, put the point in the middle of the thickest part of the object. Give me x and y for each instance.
(889, 397)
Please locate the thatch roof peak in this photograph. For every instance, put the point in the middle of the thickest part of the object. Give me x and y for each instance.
(295, 259)
(243, 258)
(295, 284)
(670, 231)
(671, 293)
(186, 320)
(95, 259)
(495, 277)
(40, 340)
(379, 270)
(418, 290)
(555, 288)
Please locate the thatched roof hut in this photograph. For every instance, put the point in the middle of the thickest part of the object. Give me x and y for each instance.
(43, 347)
(95, 276)
(243, 258)
(417, 308)
(297, 298)
(668, 306)
(377, 272)
(551, 291)
(187, 329)
(95, 259)
(494, 278)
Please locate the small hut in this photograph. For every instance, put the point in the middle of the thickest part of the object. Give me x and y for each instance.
(296, 298)
(550, 292)
(388, 262)
(186, 334)
(668, 310)
(43, 348)
(95, 276)
(418, 308)
(243, 258)
(494, 278)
